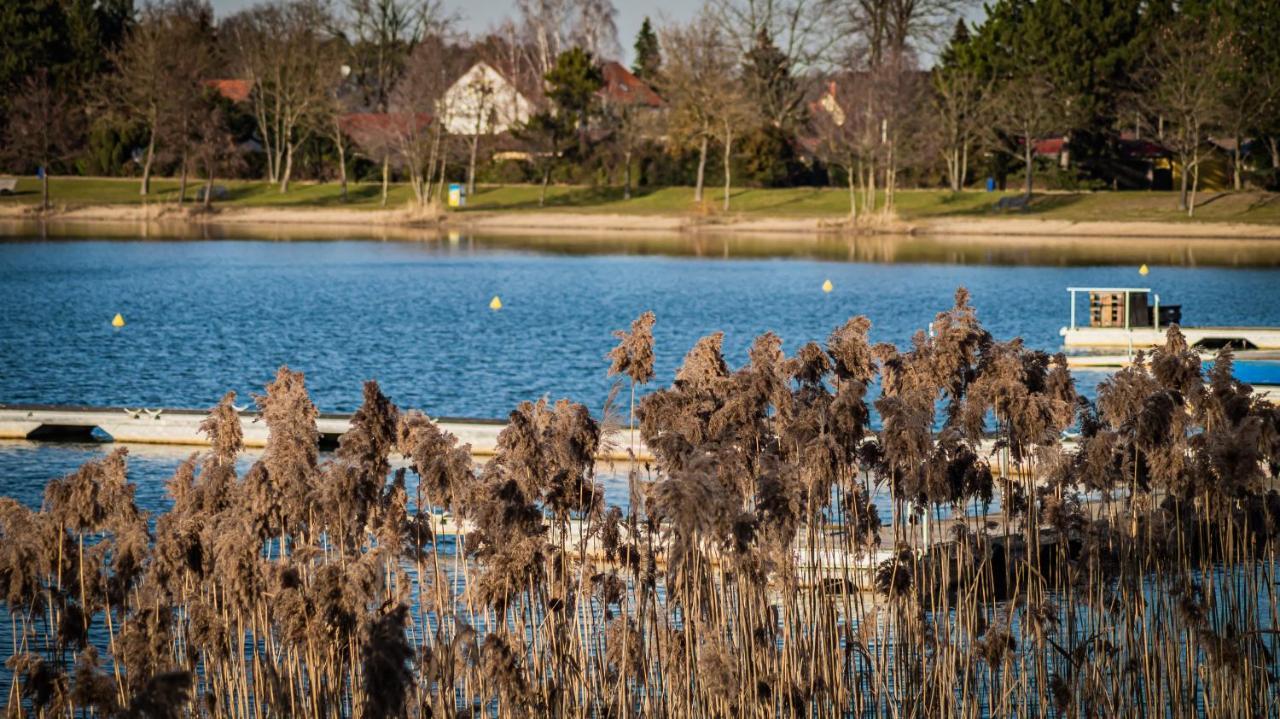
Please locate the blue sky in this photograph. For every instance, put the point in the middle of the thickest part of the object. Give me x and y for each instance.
(480, 15)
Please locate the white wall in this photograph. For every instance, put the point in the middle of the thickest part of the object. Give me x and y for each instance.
(483, 100)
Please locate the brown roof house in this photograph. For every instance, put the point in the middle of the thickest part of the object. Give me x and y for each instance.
(623, 87)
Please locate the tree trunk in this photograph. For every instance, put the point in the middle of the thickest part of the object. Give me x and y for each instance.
(444, 165)
(1182, 195)
(471, 165)
(853, 196)
(546, 180)
(342, 171)
(1028, 158)
(702, 168)
(182, 182)
(871, 189)
(288, 169)
(146, 165)
(1195, 184)
(964, 166)
(1237, 173)
(208, 188)
(386, 177)
(431, 163)
(44, 188)
(1273, 144)
(728, 156)
(626, 175)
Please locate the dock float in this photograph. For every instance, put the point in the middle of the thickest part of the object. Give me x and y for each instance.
(182, 427)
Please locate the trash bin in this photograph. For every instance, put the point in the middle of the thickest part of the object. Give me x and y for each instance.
(457, 195)
(991, 184)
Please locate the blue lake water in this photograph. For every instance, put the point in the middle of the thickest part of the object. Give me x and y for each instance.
(207, 316)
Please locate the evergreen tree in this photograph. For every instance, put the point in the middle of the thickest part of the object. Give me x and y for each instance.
(767, 73)
(952, 54)
(1091, 51)
(648, 54)
(573, 84)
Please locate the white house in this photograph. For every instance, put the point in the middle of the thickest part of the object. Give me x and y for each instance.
(483, 102)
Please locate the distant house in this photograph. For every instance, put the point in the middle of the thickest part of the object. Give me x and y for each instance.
(622, 87)
(388, 122)
(483, 101)
(378, 132)
(232, 89)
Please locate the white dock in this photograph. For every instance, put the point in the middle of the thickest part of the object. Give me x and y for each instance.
(182, 427)
(1141, 338)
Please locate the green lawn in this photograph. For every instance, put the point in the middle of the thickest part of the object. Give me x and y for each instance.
(1254, 207)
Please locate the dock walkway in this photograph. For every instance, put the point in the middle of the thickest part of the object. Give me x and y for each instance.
(182, 427)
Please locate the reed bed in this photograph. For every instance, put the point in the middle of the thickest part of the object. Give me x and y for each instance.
(1131, 575)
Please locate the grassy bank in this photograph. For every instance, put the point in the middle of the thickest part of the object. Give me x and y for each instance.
(1246, 207)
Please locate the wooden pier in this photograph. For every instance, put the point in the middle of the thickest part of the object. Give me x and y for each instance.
(182, 427)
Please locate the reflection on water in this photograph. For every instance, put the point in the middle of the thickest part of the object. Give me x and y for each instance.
(961, 250)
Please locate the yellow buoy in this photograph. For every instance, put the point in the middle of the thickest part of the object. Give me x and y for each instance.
(1143, 270)
(495, 303)
(118, 320)
(827, 286)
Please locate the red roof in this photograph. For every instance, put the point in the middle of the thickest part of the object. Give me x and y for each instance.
(621, 86)
(1050, 146)
(233, 90)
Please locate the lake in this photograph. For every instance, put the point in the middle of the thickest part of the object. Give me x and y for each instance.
(206, 316)
(210, 309)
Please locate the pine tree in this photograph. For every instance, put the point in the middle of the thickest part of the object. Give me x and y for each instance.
(767, 71)
(648, 54)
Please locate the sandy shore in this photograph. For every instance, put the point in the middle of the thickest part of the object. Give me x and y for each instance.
(582, 222)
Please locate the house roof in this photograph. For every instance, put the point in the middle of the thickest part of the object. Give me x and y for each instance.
(230, 88)
(1051, 146)
(621, 86)
(367, 122)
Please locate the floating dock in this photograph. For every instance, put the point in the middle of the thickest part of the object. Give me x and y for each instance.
(182, 427)
(1141, 338)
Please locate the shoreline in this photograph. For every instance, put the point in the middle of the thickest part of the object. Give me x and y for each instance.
(522, 222)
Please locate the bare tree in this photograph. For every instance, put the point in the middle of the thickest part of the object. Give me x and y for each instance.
(213, 146)
(628, 123)
(282, 48)
(840, 129)
(596, 28)
(44, 128)
(959, 101)
(1025, 109)
(417, 104)
(165, 64)
(340, 103)
(805, 33)
(375, 136)
(384, 34)
(1247, 96)
(699, 78)
(162, 64)
(1188, 95)
(552, 26)
(884, 29)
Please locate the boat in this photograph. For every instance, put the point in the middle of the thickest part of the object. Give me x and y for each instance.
(1131, 318)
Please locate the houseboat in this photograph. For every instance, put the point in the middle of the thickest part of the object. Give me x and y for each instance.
(1132, 318)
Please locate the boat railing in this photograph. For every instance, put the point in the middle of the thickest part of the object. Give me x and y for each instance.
(1126, 291)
